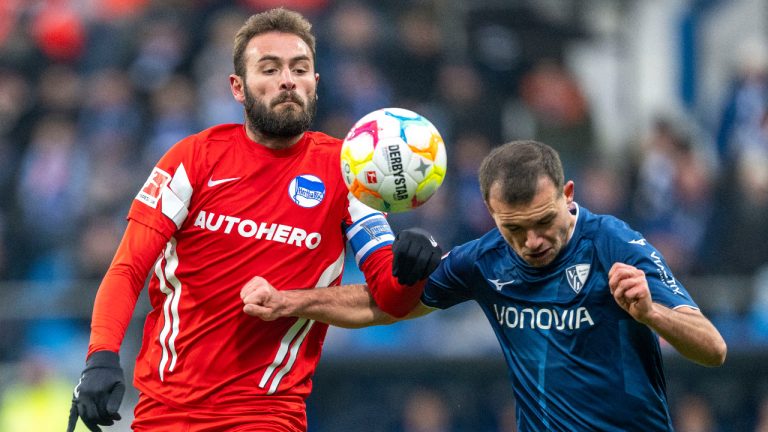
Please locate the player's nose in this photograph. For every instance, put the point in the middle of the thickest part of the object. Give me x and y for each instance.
(532, 239)
(287, 82)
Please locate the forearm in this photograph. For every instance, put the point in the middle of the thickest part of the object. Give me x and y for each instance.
(349, 306)
(121, 286)
(690, 333)
(112, 312)
(388, 294)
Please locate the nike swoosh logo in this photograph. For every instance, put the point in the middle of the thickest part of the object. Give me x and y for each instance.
(212, 182)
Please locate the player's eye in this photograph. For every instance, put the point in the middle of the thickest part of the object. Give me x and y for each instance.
(269, 68)
(301, 68)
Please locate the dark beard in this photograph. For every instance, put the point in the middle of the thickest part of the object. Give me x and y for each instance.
(288, 123)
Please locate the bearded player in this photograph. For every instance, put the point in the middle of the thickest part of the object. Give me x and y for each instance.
(237, 200)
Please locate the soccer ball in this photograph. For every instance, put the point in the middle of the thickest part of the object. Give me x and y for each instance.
(393, 160)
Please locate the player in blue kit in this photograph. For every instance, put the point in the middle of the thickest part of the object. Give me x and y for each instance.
(577, 301)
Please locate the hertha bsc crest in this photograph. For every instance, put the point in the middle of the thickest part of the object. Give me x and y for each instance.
(306, 190)
(577, 276)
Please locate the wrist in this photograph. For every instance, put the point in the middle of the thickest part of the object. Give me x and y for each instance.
(295, 302)
(103, 358)
(652, 317)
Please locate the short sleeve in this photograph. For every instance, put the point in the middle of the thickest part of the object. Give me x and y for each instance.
(449, 284)
(630, 247)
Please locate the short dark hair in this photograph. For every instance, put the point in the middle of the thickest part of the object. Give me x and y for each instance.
(278, 20)
(517, 166)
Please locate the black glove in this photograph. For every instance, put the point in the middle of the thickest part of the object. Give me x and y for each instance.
(97, 396)
(416, 255)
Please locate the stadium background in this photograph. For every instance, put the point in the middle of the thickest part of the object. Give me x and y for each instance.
(657, 107)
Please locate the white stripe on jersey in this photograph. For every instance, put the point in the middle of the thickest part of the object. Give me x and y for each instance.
(354, 230)
(381, 239)
(176, 197)
(289, 345)
(291, 360)
(280, 356)
(170, 306)
(331, 272)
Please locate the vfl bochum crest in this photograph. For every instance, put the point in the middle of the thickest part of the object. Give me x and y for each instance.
(577, 276)
(306, 190)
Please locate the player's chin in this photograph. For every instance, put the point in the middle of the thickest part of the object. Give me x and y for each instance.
(540, 260)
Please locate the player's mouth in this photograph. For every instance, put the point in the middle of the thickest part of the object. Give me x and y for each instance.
(287, 98)
(538, 256)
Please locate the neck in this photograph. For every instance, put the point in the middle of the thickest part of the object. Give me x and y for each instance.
(574, 217)
(271, 141)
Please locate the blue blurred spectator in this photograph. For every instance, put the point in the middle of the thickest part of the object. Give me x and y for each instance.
(212, 65)
(672, 198)
(471, 217)
(351, 83)
(413, 55)
(464, 105)
(739, 230)
(110, 104)
(162, 48)
(746, 102)
(173, 116)
(553, 109)
(53, 179)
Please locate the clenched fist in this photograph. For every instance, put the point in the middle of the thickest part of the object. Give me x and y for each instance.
(262, 300)
(630, 290)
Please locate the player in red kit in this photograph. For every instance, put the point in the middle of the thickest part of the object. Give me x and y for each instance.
(231, 202)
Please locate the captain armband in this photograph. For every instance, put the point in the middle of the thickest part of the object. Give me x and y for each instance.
(369, 234)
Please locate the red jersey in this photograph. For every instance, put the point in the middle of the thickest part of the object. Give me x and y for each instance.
(232, 209)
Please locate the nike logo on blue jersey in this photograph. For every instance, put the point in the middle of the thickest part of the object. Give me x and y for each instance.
(499, 284)
(640, 242)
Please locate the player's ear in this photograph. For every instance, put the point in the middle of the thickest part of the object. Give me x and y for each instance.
(568, 191)
(237, 85)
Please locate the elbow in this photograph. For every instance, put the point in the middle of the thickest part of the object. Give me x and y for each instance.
(717, 356)
(720, 353)
(380, 318)
(395, 308)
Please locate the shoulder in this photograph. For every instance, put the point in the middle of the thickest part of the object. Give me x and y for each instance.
(322, 141)
(487, 246)
(613, 238)
(220, 133)
(606, 228)
(214, 137)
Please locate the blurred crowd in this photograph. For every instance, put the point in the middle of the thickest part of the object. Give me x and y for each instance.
(93, 92)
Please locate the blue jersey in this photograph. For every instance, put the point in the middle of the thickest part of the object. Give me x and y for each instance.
(577, 360)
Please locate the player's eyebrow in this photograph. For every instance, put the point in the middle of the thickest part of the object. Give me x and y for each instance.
(274, 58)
